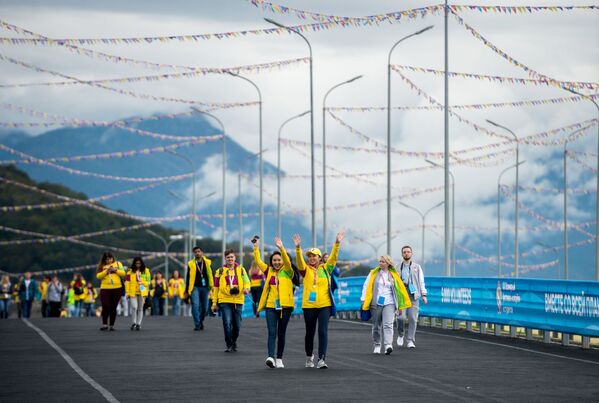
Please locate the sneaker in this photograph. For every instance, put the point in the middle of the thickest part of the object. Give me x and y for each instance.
(133, 326)
(228, 349)
(197, 328)
(388, 349)
(111, 328)
(310, 361)
(104, 328)
(279, 363)
(270, 362)
(321, 364)
(137, 327)
(400, 341)
(377, 349)
(411, 344)
(234, 347)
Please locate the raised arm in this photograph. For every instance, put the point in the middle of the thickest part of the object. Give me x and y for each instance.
(299, 255)
(257, 258)
(286, 261)
(332, 260)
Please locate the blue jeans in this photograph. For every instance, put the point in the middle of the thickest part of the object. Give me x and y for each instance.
(26, 307)
(176, 306)
(277, 321)
(231, 322)
(77, 310)
(89, 310)
(199, 305)
(4, 308)
(311, 317)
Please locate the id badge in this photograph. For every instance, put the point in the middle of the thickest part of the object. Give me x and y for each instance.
(142, 288)
(278, 304)
(380, 300)
(412, 288)
(312, 296)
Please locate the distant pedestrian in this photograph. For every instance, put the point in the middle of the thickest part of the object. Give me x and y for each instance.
(256, 281)
(43, 289)
(137, 283)
(89, 300)
(176, 290)
(199, 284)
(160, 289)
(78, 287)
(111, 274)
(55, 292)
(5, 296)
(27, 291)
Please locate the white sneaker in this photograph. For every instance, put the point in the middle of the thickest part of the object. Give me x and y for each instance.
(411, 344)
(400, 341)
(377, 349)
(310, 361)
(270, 362)
(388, 349)
(279, 363)
(321, 364)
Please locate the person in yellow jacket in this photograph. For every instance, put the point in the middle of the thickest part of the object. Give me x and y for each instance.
(159, 294)
(137, 283)
(89, 300)
(384, 294)
(276, 299)
(78, 287)
(231, 285)
(44, 295)
(110, 272)
(200, 286)
(176, 290)
(318, 303)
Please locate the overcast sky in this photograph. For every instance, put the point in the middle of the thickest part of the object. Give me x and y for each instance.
(560, 45)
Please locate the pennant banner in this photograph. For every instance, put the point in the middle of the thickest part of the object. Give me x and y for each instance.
(574, 158)
(538, 189)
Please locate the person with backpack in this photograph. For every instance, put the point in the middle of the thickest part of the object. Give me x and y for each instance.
(160, 293)
(231, 285)
(137, 283)
(78, 287)
(318, 303)
(111, 274)
(89, 300)
(256, 280)
(276, 300)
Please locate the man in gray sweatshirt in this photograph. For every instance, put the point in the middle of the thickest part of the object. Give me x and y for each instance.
(413, 278)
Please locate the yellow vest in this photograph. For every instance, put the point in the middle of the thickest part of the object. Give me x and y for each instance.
(283, 290)
(179, 291)
(317, 280)
(90, 298)
(132, 287)
(222, 294)
(81, 296)
(402, 299)
(191, 265)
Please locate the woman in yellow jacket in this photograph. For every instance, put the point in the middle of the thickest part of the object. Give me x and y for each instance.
(89, 300)
(78, 287)
(159, 293)
(137, 282)
(318, 303)
(276, 299)
(383, 294)
(110, 273)
(231, 285)
(176, 290)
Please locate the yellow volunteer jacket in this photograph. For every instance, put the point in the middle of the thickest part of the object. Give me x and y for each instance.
(132, 287)
(317, 280)
(90, 296)
(179, 290)
(191, 266)
(164, 286)
(81, 296)
(222, 289)
(402, 299)
(278, 283)
(112, 280)
(43, 289)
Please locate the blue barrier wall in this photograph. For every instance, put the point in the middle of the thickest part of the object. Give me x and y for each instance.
(563, 306)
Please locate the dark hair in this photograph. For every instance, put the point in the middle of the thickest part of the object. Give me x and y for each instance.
(229, 252)
(105, 257)
(275, 253)
(196, 248)
(135, 260)
(406, 247)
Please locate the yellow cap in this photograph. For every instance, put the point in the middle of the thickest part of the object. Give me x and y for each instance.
(314, 251)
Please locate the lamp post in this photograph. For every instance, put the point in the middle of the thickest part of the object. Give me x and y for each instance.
(453, 259)
(389, 134)
(312, 163)
(279, 234)
(173, 238)
(499, 215)
(423, 217)
(597, 183)
(516, 253)
(224, 207)
(261, 159)
(324, 159)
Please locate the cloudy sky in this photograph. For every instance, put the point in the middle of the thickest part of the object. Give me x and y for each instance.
(559, 45)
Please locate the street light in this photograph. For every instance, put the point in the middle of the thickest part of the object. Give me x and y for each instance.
(516, 254)
(261, 159)
(312, 163)
(240, 203)
(423, 216)
(279, 234)
(224, 210)
(173, 238)
(389, 134)
(453, 259)
(499, 214)
(597, 195)
(324, 159)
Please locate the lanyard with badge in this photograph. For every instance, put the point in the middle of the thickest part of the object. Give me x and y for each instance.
(312, 295)
(278, 299)
(380, 300)
(411, 286)
(200, 268)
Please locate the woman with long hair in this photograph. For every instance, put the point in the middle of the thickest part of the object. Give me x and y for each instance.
(78, 287)
(383, 294)
(5, 297)
(276, 299)
(256, 279)
(160, 293)
(176, 290)
(89, 300)
(137, 282)
(110, 272)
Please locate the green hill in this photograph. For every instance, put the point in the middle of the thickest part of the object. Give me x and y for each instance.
(65, 221)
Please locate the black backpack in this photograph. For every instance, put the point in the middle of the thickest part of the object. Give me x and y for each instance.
(158, 290)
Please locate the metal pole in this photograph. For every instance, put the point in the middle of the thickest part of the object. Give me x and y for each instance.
(423, 217)
(389, 134)
(565, 211)
(453, 225)
(240, 219)
(446, 147)
(423, 249)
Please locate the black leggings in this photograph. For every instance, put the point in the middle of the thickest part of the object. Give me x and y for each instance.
(256, 294)
(110, 299)
(311, 316)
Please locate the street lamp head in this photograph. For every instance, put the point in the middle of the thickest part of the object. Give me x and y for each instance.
(351, 80)
(274, 23)
(176, 237)
(424, 30)
(304, 113)
(493, 123)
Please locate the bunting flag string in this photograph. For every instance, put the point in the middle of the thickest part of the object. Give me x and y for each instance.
(503, 80)
(574, 158)
(518, 9)
(538, 189)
